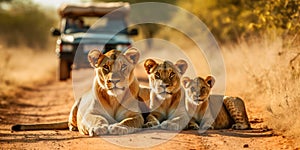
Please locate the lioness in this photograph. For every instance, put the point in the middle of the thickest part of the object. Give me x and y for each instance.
(167, 109)
(232, 112)
(111, 106)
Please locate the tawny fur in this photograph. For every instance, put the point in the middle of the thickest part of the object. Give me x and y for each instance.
(212, 111)
(166, 95)
(111, 106)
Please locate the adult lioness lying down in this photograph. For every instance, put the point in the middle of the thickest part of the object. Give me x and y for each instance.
(111, 106)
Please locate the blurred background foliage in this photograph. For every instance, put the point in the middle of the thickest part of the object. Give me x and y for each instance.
(24, 22)
(231, 20)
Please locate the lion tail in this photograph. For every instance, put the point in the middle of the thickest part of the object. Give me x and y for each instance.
(48, 126)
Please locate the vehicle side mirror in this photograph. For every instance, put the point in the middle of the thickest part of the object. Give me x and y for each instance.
(133, 32)
(55, 32)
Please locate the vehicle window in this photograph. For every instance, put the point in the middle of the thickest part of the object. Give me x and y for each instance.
(94, 24)
(74, 25)
(110, 25)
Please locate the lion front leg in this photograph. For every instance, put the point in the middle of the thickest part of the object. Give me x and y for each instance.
(94, 125)
(152, 120)
(193, 125)
(176, 123)
(72, 123)
(127, 125)
(173, 124)
(208, 121)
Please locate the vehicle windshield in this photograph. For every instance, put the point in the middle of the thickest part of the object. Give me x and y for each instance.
(94, 25)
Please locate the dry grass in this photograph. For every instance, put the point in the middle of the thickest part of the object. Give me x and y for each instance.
(24, 68)
(267, 75)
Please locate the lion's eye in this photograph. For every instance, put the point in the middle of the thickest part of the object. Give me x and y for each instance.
(123, 67)
(192, 89)
(106, 68)
(157, 75)
(172, 74)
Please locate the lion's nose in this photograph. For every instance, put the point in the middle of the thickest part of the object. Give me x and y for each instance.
(164, 85)
(113, 81)
(197, 96)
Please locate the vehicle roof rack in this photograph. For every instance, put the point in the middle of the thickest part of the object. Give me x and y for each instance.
(93, 9)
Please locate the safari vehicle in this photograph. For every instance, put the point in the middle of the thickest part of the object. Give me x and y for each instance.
(88, 26)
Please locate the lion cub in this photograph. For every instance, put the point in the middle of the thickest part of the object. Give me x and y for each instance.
(167, 109)
(222, 111)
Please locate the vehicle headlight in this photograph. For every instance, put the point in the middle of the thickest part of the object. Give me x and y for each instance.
(68, 38)
(67, 48)
(122, 47)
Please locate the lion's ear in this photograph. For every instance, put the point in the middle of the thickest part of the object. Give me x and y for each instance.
(150, 65)
(132, 55)
(186, 82)
(210, 80)
(182, 66)
(94, 57)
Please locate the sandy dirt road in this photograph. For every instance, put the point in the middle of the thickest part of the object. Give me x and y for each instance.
(52, 103)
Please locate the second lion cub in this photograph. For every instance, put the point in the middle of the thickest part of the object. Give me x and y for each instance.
(166, 95)
(222, 111)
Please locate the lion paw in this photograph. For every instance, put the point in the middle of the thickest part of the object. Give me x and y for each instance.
(152, 125)
(193, 126)
(73, 128)
(207, 126)
(240, 126)
(117, 129)
(99, 130)
(169, 125)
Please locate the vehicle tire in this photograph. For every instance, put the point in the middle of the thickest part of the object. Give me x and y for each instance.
(63, 70)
